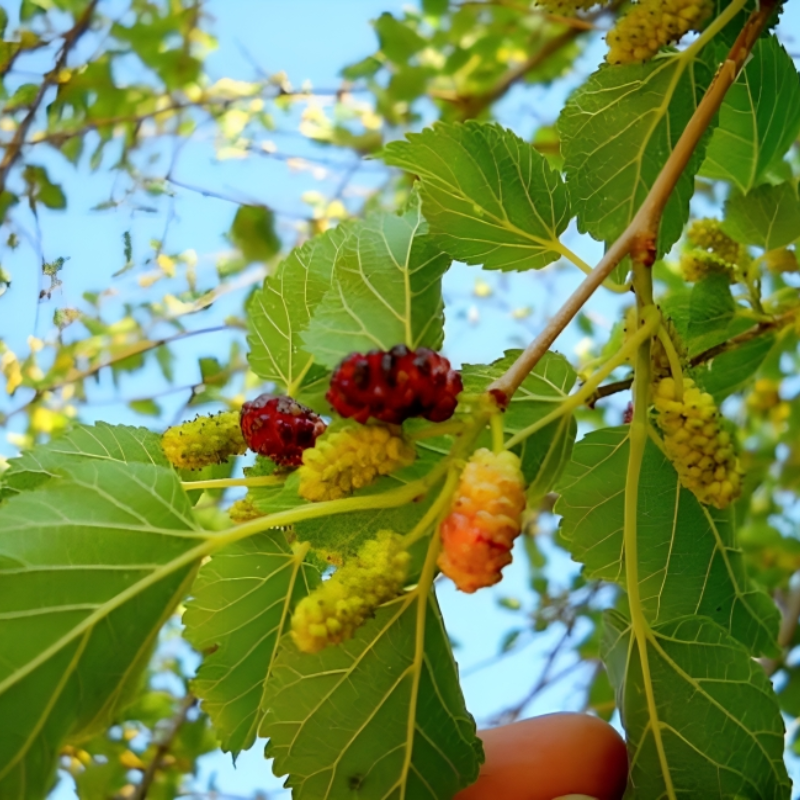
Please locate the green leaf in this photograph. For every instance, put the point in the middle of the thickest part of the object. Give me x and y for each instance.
(688, 561)
(101, 442)
(379, 716)
(386, 290)
(546, 452)
(278, 311)
(618, 130)
(721, 732)
(397, 41)
(731, 371)
(489, 196)
(92, 564)
(759, 119)
(767, 217)
(241, 602)
(253, 232)
(711, 312)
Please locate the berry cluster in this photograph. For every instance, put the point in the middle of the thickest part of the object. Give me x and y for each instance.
(651, 24)
(700, 450)
(280, 428)
(350, 459)
(395, 385)
(204, 441)
(484, 520)
(337, 607)
(710, 250)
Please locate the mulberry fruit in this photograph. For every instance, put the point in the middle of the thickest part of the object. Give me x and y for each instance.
(710, 250)
(395, 385)
(485, 518)
(700, 450)
(651, 24)
(338, 606)
(350, 459)
(781, 260)
(204, 441)
(244, 510)
(280, 428)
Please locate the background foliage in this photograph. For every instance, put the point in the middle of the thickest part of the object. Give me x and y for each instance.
(119, 96)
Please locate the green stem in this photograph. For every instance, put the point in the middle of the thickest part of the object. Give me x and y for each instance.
(643, 333)
(620, 288)
(225, 483)
(294, 387)
(428, 520)
(638, 439)
(498, 434)
(674, 360)
(713, 29)
(453, 427)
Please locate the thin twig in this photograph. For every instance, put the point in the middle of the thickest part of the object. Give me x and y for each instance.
(164, 747)
(639, 238)
(473, 105)
(790, 616)
(50, 79)
(766, 326)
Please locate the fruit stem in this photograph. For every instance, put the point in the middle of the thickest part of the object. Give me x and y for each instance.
(652, 319)
(674, 360)
(431, 515)
(498, 434)
(225, 483)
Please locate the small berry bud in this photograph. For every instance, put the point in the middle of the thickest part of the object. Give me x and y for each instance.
(204, 441)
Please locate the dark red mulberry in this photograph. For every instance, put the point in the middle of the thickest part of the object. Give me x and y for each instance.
(280, 428)
(395, 385)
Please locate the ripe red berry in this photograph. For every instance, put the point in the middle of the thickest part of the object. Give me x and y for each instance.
(280, 428)
(395, 385)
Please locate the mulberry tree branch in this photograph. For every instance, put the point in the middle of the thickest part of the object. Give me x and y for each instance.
(71, 37)
(638, 239)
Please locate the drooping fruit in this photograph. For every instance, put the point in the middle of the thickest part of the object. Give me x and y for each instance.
(393, 385)
(280, 428)
(696, 444)
(349, 459)
(484, 519)
(650, 24)
(338, 606)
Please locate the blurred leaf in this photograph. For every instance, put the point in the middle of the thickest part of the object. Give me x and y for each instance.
(253, 232)
(397, 40)
(490, 197)
(767, 217)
